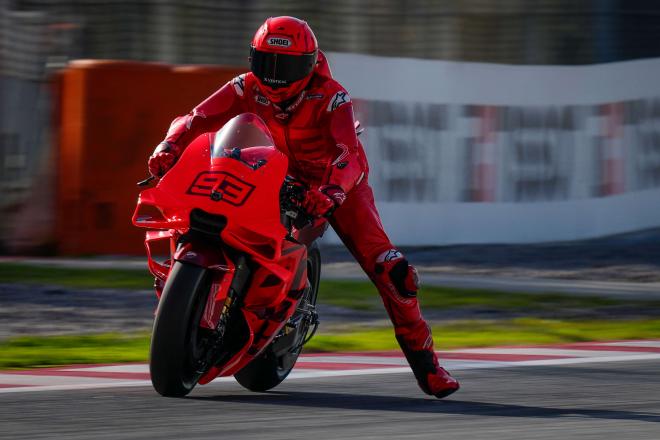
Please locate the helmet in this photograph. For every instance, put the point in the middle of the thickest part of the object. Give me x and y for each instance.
(283, 56)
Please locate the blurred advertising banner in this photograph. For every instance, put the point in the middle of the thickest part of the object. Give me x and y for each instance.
(484, 153)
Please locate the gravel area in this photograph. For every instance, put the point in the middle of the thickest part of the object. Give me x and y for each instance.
(28, 310)
(32, 310)
(633, 258)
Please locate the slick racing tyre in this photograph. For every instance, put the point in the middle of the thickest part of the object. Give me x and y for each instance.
(177, 339)
(270, 368)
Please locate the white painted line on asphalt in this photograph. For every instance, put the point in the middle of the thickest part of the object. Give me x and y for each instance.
(307, 374)
(37, 380)
(133, 383)
(295, 375)
(129, 368)
(18, 383)
(538, 351)
(585, 360)
(355, 360)
(652, 344)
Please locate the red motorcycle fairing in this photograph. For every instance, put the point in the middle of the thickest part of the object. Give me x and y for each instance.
(250, 197)
(159, 270)
(239, 197)
(270, 302)
(310, 233)
(201, 253)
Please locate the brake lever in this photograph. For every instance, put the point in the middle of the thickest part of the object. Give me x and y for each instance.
(146, 181)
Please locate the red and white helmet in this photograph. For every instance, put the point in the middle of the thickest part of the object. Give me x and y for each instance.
(283, 56)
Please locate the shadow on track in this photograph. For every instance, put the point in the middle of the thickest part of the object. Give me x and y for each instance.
(423, 405)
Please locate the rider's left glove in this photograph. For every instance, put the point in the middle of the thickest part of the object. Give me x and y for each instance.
(322, 202)
(162, 159)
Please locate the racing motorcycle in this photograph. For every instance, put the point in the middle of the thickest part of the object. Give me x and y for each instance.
(237, 294)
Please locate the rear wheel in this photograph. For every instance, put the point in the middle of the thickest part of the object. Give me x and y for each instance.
(272, 366)
(178, 342)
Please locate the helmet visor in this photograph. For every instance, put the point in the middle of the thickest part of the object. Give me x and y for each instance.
(278, 70)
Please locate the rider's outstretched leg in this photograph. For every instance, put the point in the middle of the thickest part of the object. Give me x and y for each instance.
(358, 224)
(397, 283)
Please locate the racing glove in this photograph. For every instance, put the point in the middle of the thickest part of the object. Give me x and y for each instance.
(163, 158)
(323, 201)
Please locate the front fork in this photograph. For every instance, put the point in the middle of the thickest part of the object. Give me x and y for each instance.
(230, 275)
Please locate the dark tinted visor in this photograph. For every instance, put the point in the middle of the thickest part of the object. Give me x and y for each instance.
(280, 70)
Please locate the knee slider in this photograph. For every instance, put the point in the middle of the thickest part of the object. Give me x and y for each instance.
(405, 278)
(402, 274)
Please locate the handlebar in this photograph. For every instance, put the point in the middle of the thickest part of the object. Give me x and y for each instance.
(146, 181)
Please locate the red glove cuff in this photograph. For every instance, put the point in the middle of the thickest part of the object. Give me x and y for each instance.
(323, 201)
(335, 193)
(167, 147)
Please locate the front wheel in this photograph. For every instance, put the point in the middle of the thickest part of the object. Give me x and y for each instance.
(177, 339)
(272, 366)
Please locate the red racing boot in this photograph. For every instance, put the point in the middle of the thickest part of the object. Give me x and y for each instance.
(431, 377)
(397, 282)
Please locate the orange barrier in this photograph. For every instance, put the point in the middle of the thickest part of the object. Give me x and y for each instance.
(112, 114)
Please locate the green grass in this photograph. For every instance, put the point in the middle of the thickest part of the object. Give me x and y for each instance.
(108, 348)
(478, 333)
(34, 351)
(31, 351)
(364, 296)
(360, 295)
(78, 278)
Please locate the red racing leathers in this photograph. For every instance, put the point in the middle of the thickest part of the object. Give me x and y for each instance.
(317, 133)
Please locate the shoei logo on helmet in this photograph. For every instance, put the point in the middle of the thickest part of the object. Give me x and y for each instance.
(279, 42)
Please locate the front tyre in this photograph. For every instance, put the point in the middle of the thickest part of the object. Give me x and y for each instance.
(176, 342)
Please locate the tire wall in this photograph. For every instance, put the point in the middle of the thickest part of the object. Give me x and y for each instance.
(111, 116)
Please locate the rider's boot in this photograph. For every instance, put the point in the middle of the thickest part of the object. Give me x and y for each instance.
(397, 282)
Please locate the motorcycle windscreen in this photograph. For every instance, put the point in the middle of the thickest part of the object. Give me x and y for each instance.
(243, 131)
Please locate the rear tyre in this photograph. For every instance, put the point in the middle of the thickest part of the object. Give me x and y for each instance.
(177, 340)
(268, 369)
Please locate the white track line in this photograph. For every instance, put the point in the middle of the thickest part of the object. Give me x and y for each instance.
(652, 344)
(127, 368)
(377, 360)
(39, 380)
(542, 351)
(390, 365)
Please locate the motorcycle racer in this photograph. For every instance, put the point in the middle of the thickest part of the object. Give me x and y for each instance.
(310, 116)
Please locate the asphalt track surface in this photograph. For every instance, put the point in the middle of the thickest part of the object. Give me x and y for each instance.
(617, 400)
(586, 400)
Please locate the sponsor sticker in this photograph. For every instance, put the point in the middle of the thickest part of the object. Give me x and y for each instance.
(278, 42)
(390, 255)
(342, 155)
(275, 81)
(239, 84)
(261, 100)
(338, 100)
(295, 105)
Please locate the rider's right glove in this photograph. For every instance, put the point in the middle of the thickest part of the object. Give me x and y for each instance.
(163, 158)
(322, 202)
